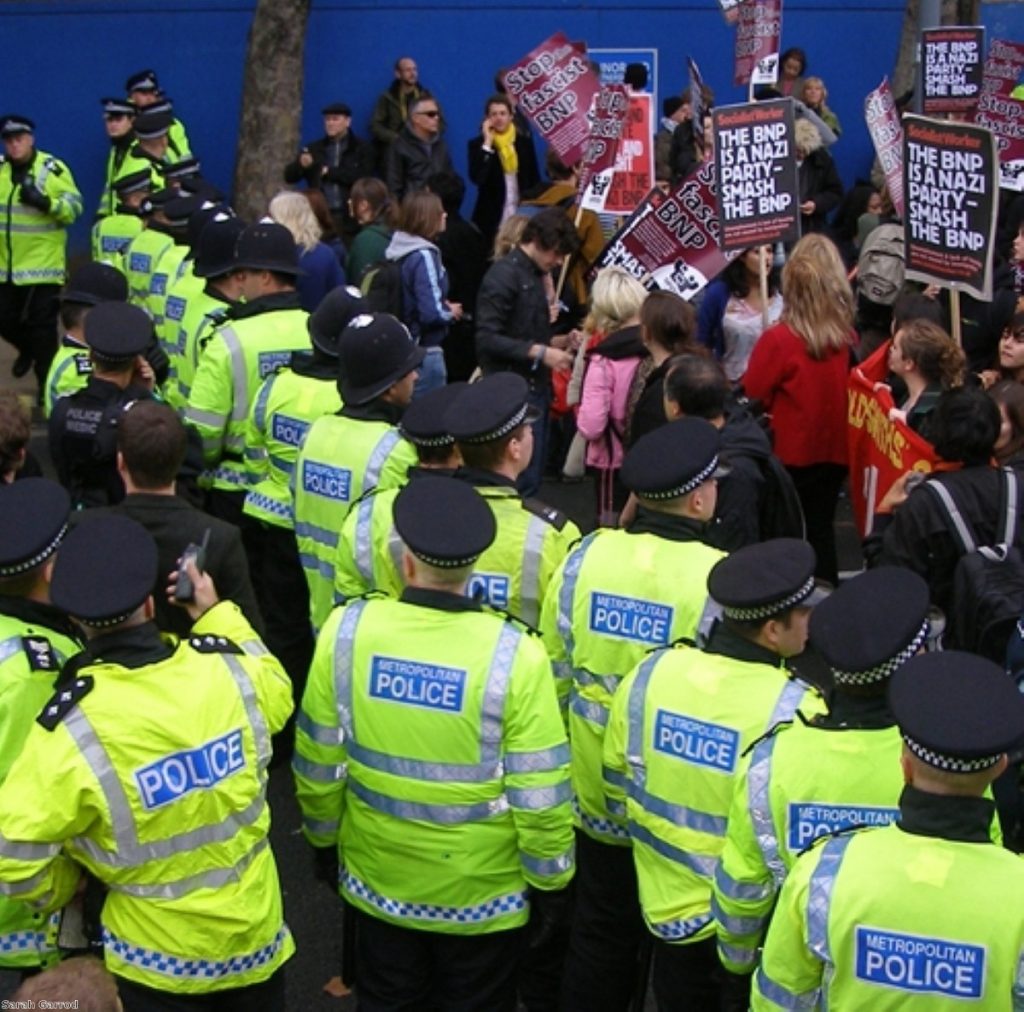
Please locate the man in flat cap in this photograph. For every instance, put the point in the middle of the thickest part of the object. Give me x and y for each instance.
(359, 448)
(38, 200)
(430, 728)
(924, 913)
(332, 164)
(824, 773)
(616, 595)
(83, 426)
(147, 769)
(35, 641)
(679, 724)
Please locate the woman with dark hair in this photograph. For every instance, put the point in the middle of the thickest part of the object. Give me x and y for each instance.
(792, 64)
(500, 165)
(370, 204)
(426, 310)
(1009, 397)
(328, 233)
(1010, 363)
(732, 314)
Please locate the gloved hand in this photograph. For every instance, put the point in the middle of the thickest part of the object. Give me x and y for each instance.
(34, 197)
(550, 912)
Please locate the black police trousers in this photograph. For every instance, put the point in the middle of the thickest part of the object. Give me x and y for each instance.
(28, 320)
(268, 996)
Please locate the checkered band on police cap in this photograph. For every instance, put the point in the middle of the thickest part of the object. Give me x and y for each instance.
(17, 568)
(951, 764)
(887, 668)
(770, 608)
(688, 486)
(509, 425)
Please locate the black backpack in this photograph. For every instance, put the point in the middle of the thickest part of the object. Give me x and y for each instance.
(779, 513)
(381, 285)
(988, 581)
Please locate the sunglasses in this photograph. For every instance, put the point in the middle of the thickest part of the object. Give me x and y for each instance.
(432, 113)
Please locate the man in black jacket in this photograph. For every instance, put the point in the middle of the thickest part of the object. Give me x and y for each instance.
(419, 150)
(332, 164)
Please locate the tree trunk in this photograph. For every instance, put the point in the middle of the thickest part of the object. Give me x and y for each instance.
(268, 134)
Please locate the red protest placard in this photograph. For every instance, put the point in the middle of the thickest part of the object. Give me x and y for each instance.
(671, 240)
(950, 183)
(757, 42)
(887, 135)
(634, 166)
(554, 86)
(758, 189)
(951, 69)
(599, 159)
(882, 449)
(1001, 113)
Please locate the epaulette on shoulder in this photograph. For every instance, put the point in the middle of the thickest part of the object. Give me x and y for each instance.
(52, 165)
(778, 726)
(825, 837)
(368, 493)
(64, 700)
(210, 643)
(515, 620)
(547, 513)
(373, 594)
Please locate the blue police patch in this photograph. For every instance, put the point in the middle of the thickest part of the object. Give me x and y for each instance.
(140, 262)
(490, 587)
(809, 820)
(158, 284)
(271, 361)
(175, 308)
(919, 964)
(630, 618)
(415, 683)
(112, 243)
(195, 769)
(695, 741)
(326, 481)
(290, 431)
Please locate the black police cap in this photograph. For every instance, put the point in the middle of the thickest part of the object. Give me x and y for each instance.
(142, 80)
(423, 515)
(957, 712)
(150, 125)
(180, 209)
(760, 581)
(871, 625)
(93, 283)
(337, 309)
(424, 422)
(133, 182)
(490, 409)
(336, 109)
(106, 569)
(183, 169)
(157, 200)
(215, 250)
(375, 351)
(267, 246)
(117, 107)
(13, 123)
(33, 520)
(673, 460)
(118, 331)
(199, 219)
(199, 184)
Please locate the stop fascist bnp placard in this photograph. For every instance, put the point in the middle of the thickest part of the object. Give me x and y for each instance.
(950, 185)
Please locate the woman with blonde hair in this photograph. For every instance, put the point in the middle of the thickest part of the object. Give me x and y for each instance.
(611, 362)
(319, 269)
(816, 99)
(798, 371)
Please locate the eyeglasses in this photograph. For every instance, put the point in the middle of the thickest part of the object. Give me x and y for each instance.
(432, 113)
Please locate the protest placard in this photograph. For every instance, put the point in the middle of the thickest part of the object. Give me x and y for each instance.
(698, 107)
(634, 165)
(950, 184)
(599, 159)
(951, 69)
(671, 240)
(758, 190)
(887, 135)
(757, 42)
(1001, 113)
(554, 86)
(882, 447)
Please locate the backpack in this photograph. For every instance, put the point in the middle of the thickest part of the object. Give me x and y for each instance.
(381, 285)
(881, 265)
(779, 513)
(988, 582)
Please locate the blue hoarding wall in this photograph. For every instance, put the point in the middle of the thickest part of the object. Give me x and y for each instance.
(61, 57)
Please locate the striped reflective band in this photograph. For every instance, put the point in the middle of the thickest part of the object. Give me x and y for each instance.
(19, 851)
(364, 544)
(539, 798)
(540, 761)
(735, 890)
(440, 814)
(567, 594)
(678, 815)
(819, 896)
(735, 955)
(239, 374)
(500, 906)
(737, 925)
(588, 709)
(677, 930)
(699, 864)
(322, 734)
(324, 773)
(321, 535)
(379, 456)
(417, 769)
(529, 570)
(784, 998)
(548, 866)
(193, 967)
(635, 717)
(760, 810)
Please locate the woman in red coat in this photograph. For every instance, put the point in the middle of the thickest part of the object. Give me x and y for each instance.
(798, 371)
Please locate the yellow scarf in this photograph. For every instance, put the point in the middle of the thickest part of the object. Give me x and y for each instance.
(505, 145)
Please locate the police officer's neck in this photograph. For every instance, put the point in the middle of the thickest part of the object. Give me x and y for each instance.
(117, 375)
(683, 506)
(930, 780)
(140, 617)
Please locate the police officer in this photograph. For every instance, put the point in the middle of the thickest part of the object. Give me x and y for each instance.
(118, 115)
(369, 549)
(287, 403)
(356, 449)
(141, 256)
(823, 773)
(35, 641)
(259, 336)
(923, 914)
(678, 726)
(88, 286)
(492, 425)
(147, 769)
(83, 426)
(618, 594)
(144, 92)
(430, 728)
(115, 230)
(38, 200)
